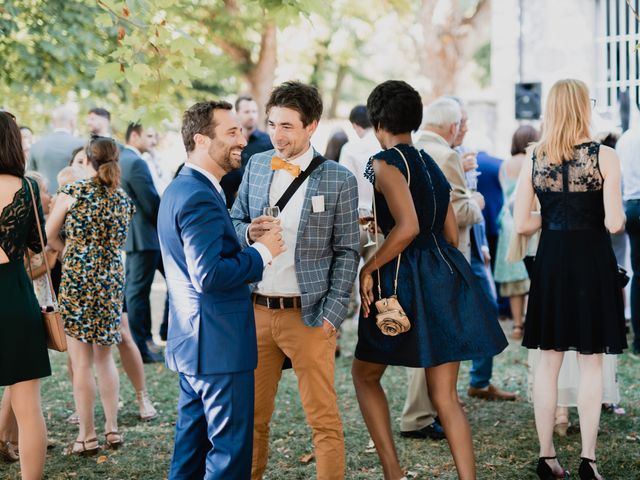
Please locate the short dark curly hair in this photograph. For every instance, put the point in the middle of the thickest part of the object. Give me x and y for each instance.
(199, 119)
(395, 106)
(304, 99)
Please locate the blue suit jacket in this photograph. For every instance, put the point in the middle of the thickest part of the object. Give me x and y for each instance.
(490, 188)
(211, 323)
(137, 182)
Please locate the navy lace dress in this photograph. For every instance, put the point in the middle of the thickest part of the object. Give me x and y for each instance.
(23, 345)
(575, 301)
(451, 319)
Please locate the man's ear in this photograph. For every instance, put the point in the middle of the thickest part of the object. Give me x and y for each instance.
(311, 128)
(200, 139)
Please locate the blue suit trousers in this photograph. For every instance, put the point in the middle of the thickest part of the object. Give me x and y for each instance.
(214, 430)
(481, 370)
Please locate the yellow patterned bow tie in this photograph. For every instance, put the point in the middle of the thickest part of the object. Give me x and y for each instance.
(279, 164)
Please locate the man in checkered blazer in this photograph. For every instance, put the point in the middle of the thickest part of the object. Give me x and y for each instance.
(303, 296)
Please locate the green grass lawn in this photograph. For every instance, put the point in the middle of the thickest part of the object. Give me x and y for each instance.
(504, 435)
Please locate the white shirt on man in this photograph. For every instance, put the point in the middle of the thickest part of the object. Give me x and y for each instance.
(354, 156)
(628, 148)
(262, 249)
(279, 278)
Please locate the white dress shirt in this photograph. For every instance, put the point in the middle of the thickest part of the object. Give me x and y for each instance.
(354, 156)
(264, 252)
(628, 148)
(279, 278)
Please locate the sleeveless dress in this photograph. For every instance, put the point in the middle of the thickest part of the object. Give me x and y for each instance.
(575, 301)
(512, 276)
(23, 343)
(92, 286)
(451, 318)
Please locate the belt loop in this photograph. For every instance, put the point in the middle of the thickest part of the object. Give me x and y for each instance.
(268, 302)
(281, 303)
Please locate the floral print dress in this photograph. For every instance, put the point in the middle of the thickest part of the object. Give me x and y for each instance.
(92, 286)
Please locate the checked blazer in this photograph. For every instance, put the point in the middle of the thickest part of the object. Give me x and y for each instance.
(328, 242)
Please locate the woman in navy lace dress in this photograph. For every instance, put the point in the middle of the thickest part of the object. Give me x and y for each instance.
(451, 319)
(575, 301)
(23, 347)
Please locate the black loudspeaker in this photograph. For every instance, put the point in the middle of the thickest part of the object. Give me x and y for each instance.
(528, 101)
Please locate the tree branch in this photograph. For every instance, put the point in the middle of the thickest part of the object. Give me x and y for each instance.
(238, 54)
(482, 7)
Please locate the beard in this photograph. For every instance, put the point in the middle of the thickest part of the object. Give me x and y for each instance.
(225, 156)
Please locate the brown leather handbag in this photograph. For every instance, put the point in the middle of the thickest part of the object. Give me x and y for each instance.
(391, 319)
(53, 323)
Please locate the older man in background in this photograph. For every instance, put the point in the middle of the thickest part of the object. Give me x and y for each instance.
(53, 152)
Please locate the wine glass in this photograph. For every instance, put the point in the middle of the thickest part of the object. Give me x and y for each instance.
(271, 211)
(472, 179)
(365, 219)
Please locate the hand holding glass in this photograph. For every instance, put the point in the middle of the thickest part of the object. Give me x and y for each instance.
(365, 219)
(272, 212)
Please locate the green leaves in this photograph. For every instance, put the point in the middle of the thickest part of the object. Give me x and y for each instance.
(109, 71)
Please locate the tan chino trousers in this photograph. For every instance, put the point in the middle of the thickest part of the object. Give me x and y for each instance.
(282, 333)
(418, 411)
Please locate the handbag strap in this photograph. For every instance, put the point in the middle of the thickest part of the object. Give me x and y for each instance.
(298, 181)
(44, 255)
(375, 224)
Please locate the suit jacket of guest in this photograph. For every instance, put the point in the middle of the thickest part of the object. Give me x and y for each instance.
(328, 243)
(490, 188)
(52, 153)
(211, 323)
(467, 211)
(137, 181)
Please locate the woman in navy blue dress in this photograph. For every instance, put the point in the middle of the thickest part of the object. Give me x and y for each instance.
(451, 319)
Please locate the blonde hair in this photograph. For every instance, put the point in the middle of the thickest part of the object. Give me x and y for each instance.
(566, 120)
(70, 175)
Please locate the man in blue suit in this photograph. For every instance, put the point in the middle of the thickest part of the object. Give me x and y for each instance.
(142, 248)
(211, 341)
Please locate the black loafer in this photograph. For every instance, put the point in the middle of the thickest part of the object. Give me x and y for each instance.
(433, 432)
(151, 357)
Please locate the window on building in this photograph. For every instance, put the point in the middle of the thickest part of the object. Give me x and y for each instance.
(618, 39)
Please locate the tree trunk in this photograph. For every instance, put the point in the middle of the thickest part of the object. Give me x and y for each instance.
(448, 41)
(261, 75)
(341, 75)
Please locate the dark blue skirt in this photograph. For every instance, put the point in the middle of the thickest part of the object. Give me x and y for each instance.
(451, 318)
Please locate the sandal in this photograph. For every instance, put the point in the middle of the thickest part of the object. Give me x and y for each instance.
(561, 426)
(74, 418)
(85, 451)
(8, 452)
(517, 332)
(116, 442)
(146, 410)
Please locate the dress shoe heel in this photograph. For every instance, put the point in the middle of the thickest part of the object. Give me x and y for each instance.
(545, 472)
(586, 470)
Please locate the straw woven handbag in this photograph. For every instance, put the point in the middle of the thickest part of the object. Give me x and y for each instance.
(53, 324)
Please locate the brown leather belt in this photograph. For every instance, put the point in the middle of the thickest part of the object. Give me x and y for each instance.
(277, 303)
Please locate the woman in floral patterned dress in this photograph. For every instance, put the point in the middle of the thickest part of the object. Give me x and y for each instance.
(95, 214)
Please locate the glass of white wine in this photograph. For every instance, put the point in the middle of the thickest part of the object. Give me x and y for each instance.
(365, 218)
(271, 211)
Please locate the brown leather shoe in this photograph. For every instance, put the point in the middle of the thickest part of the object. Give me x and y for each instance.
(8, 452)
(491, 393)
